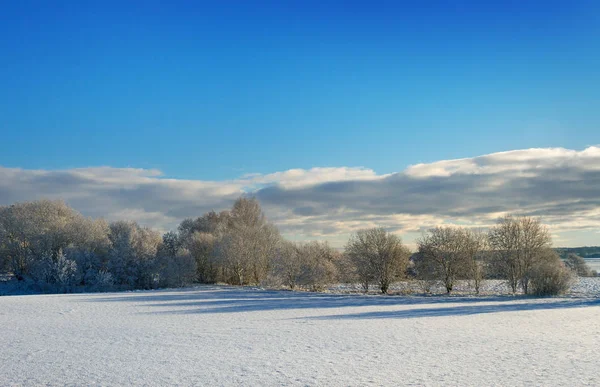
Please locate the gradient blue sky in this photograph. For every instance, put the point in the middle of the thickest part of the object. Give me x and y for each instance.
(207, 92)
(213, 90)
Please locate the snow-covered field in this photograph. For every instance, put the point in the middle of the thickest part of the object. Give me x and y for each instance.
(233, 336)
(586, 287)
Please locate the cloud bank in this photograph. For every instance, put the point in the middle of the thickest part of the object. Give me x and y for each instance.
(560, 185)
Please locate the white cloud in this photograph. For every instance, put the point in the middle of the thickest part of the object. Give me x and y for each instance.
(560, 185)
(295, 178)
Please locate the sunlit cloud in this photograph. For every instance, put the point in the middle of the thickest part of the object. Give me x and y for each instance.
(561, 186)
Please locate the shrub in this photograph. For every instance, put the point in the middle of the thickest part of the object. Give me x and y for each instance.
(55, 274)
(550, 278)
(578, 265)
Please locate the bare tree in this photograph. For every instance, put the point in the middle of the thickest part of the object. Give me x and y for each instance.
(360, 253)
(313, 265)
(474, 247)
(518, 244)
(378, 256)
(447, 254)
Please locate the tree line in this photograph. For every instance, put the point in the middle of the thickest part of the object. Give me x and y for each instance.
(584, 252)
(52, 247)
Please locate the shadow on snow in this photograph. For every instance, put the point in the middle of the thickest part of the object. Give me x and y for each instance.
(226, 299)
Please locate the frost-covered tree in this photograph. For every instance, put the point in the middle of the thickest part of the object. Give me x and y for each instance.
(32, 230)
(90, 250)
(248, 244)
(55, 271)
(174, 264)
(170, 244)
(200, 236)
(210, 223)
(132, 254)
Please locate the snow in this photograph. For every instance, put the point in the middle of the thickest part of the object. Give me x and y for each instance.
(213, 335)
(582, 286)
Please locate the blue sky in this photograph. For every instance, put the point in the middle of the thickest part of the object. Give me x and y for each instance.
(215, 89)
(211, 91)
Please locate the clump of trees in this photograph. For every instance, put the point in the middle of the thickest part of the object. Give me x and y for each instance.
(518, 249)
(55, 248)
(52, 247)
(49, 242)
(519, 244)
(523, 254)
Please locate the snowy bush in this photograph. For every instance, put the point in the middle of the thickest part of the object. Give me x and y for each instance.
(550, 278)
(57, 274)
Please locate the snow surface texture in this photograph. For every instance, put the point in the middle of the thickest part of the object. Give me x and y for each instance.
(212, 335)
(582, 286)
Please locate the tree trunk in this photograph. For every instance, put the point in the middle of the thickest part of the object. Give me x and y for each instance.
(384, 287)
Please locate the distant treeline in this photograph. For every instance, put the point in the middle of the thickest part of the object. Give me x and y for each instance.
(49, 247)
(584, 252)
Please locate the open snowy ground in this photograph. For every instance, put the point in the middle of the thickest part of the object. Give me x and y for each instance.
(581, 287)
(231, 336)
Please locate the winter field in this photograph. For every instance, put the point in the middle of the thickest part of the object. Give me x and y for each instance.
(216, 335)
